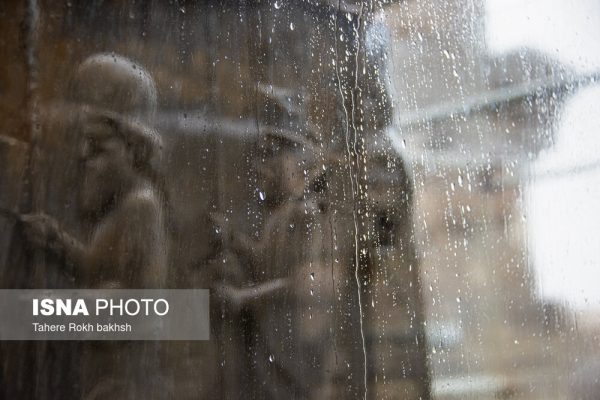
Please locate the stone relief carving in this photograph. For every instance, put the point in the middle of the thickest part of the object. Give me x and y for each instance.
(275, 286)
(119, 191)
(120, 197)
(256, 206)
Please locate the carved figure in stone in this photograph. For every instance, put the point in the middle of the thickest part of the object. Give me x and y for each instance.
(286, 284)
(121, 200)
(118, 193)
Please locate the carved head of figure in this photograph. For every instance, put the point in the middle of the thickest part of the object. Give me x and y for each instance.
(284, 166)
(117, 100)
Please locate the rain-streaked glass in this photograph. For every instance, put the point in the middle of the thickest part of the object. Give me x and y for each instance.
(387, 199)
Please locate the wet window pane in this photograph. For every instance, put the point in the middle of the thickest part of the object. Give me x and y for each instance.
(387, 199)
